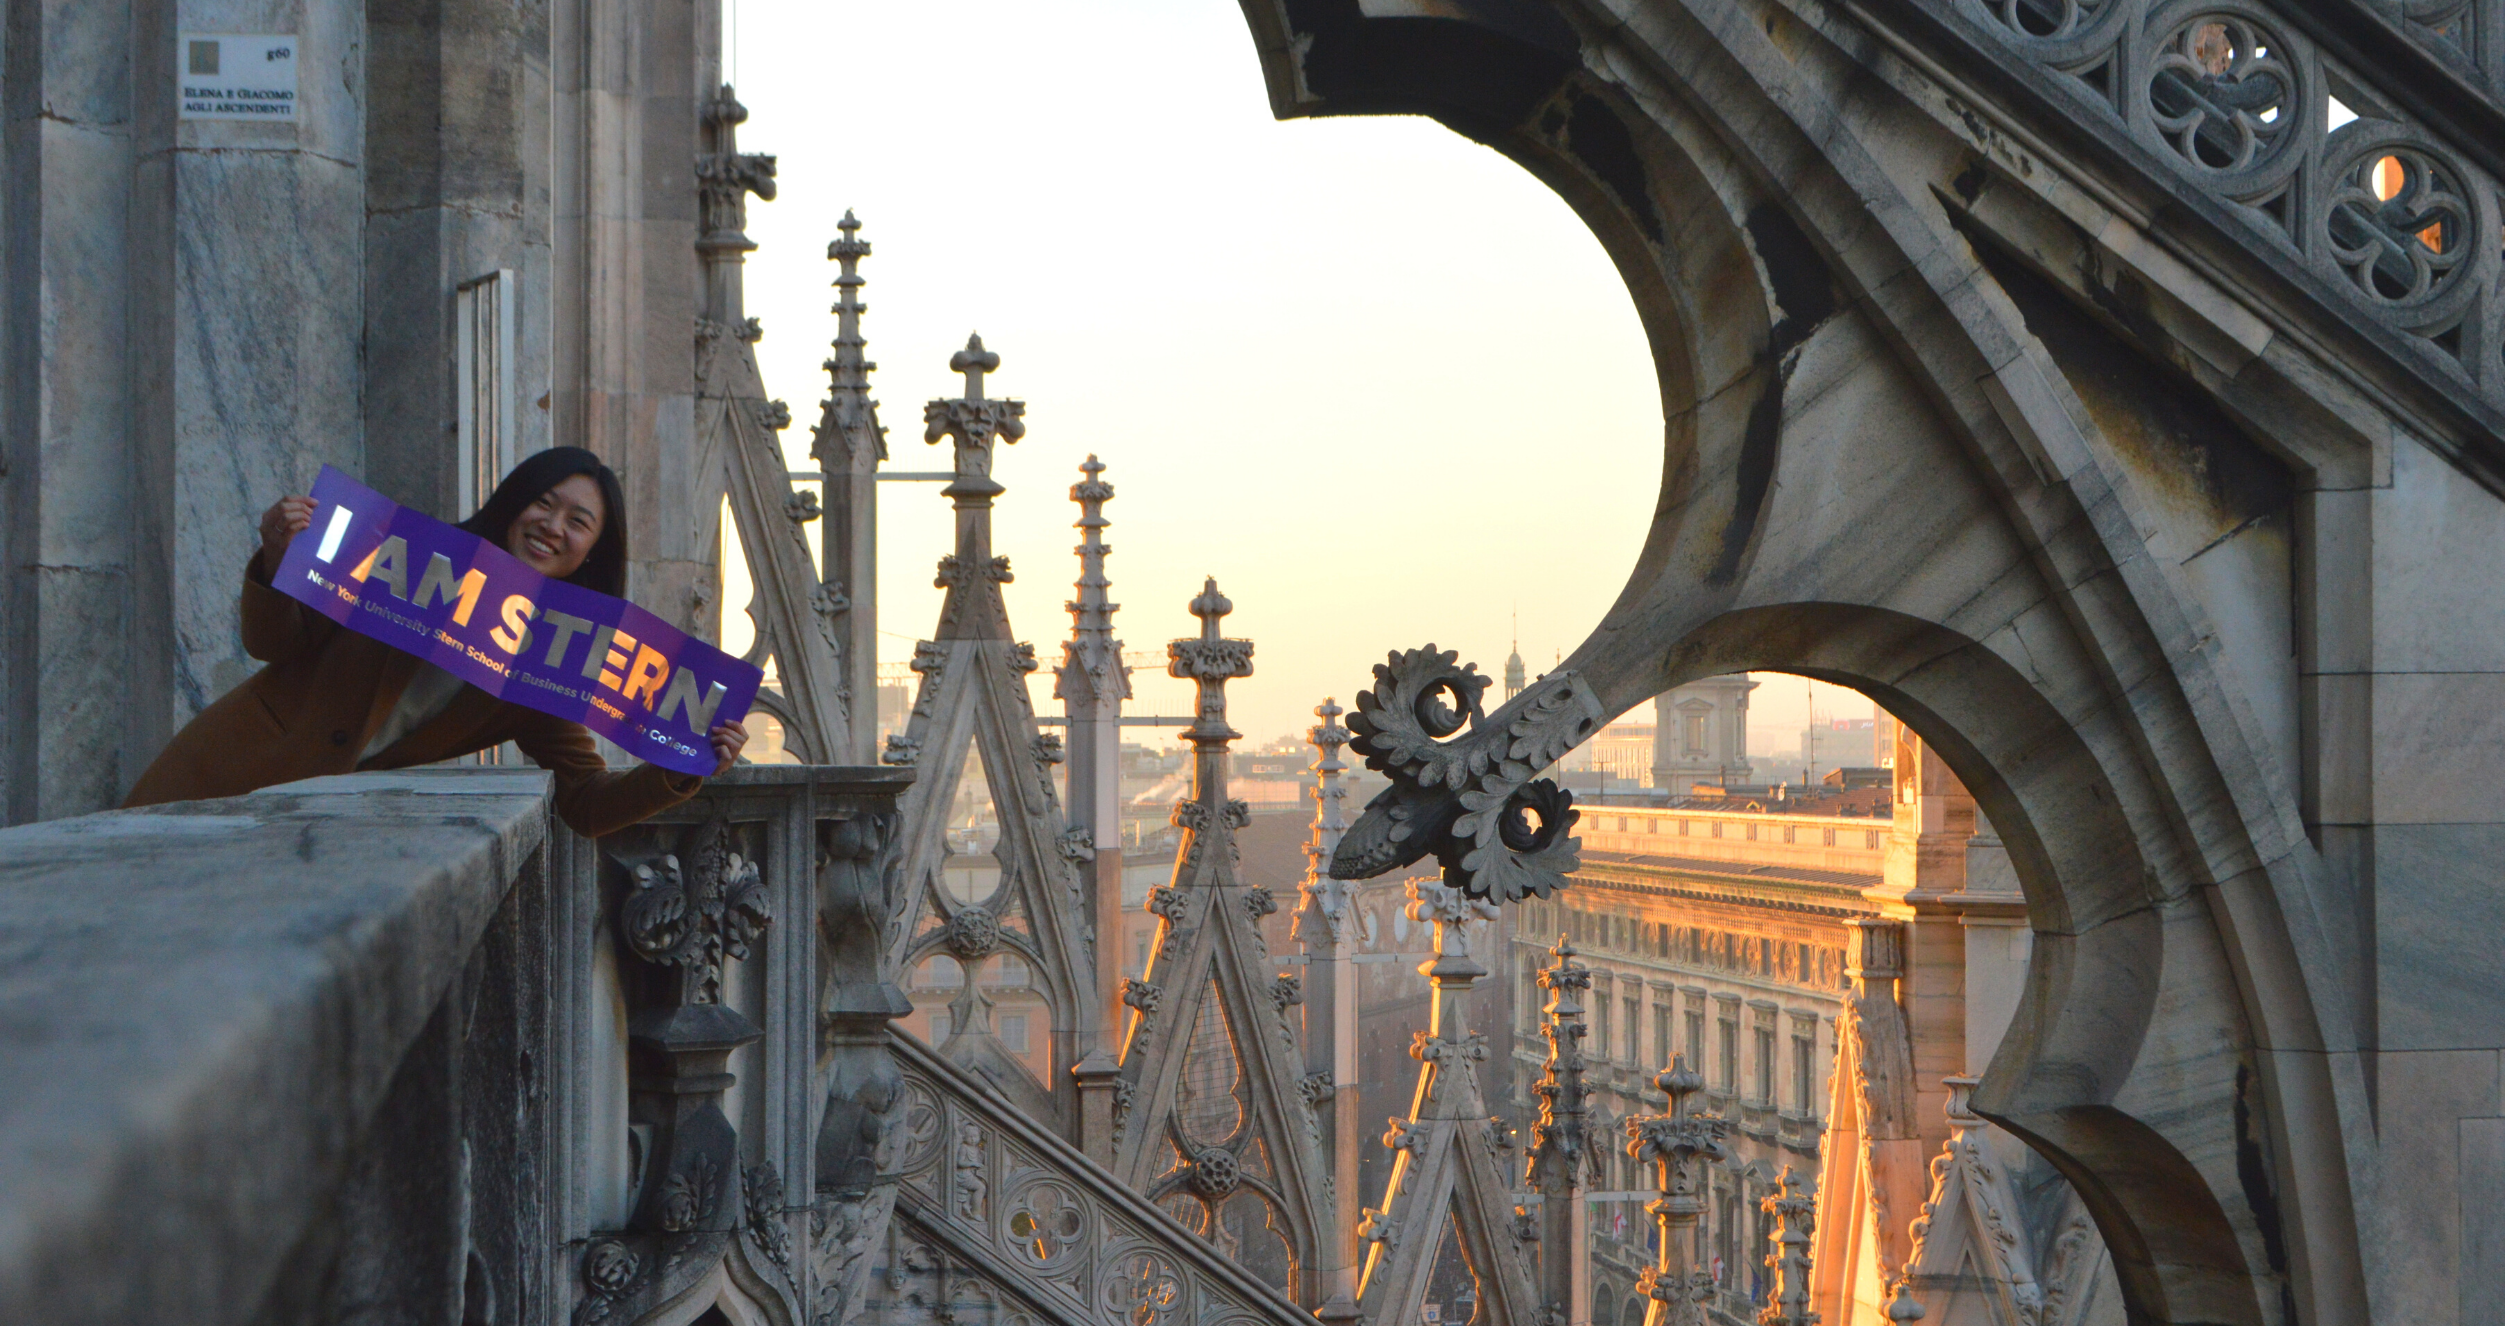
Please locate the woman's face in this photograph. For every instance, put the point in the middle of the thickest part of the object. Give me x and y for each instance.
(555, 533)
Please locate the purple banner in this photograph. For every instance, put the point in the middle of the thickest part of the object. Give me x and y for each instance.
(481, 614)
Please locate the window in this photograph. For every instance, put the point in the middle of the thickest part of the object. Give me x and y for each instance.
(483, 382)
(1805, 1067)
(1139, 955)
(1634, 1011)
(1870, 837)
(1717, 828)
(1661, 1034)
(1683, 828)
(939, 1026)
(1013, 1032)
(1600, 1026)
(1729, 1076)
(1695, 1036)
(1695, 734)
(1788, 831)
(1765, 1064)
(1830, 838)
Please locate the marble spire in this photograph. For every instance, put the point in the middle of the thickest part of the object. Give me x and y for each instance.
(1091, 684)
(1679, 1145)
(1450, 1159)
(848, 444)
(1210, 947)
(1331, 1071)
(975, 423)
(1561, 1152)
(1091, 672)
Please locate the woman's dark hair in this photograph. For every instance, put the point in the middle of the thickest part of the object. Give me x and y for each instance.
(605, 568)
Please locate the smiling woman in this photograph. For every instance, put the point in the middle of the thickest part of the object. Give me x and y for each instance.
(332, 700)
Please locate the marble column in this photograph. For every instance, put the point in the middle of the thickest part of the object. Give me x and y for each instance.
(182, 325)
(624, 118)
(456, 151)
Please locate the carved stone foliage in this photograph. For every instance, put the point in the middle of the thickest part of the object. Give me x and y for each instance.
(692, 916)
(725, 178)
(998, 1222)
(688, 903)
(2238, 103)
(976, 423)
(1468, 797)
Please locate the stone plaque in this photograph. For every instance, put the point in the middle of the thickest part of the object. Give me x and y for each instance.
(235, 76)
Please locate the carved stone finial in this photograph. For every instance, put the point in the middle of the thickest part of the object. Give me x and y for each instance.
(1210, 661)
(1680, 1146)
(1211, 607)
(1450, 911)
(1788, 1298)
(1326, 898)
(1961, 1101)
(974, 361)
(725, 177)
(1680, 1083)
(975, 421)
(1091, 659)
(849, 418)
(1558, 1145)
(1901, 1305)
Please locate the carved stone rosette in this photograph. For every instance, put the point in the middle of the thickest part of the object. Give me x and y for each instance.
(1472, 801)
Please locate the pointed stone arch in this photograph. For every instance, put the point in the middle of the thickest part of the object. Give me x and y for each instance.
(973, 698)
(1869, 454)
(738, 455)
(1451, 1158)
(1211, 956)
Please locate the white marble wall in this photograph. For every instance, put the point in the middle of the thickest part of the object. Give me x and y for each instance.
(68, 181)
(247, 303)
(196, 315)
(2413, 677)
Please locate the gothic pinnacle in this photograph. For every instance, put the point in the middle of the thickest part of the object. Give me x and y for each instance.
(1211, 662)
(849, 418)
(974, 421)
(1091, 659)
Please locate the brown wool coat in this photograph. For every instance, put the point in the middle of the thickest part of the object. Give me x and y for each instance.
(328, 690)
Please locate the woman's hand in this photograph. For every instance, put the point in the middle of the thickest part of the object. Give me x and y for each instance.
(728, 739)
(286, 518)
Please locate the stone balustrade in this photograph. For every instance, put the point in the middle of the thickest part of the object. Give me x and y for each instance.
(398, 1038)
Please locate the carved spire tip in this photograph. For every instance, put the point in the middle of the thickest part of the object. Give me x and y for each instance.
(1211, 607)
(1679, 1082)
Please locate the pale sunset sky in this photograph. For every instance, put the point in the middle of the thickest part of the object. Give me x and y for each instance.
(1372, 376)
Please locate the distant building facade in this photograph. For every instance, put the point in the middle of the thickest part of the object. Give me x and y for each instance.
(1700, 733)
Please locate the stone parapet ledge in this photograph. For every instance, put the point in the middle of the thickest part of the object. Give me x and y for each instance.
(202, 1006)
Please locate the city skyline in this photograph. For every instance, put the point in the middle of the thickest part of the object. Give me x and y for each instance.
(1378, 264)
